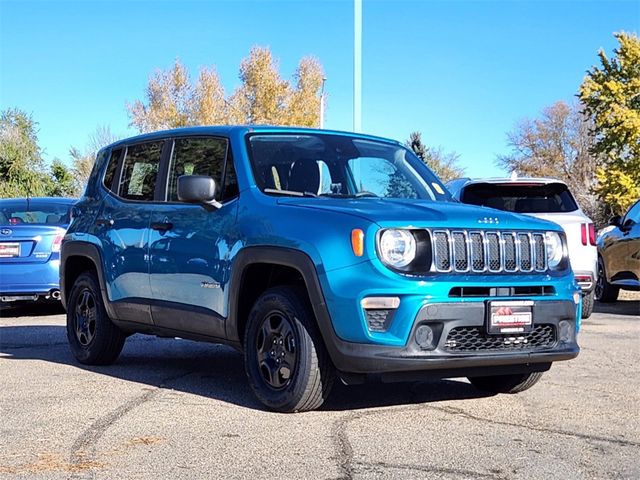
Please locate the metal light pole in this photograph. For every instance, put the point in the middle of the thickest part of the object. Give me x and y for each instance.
(322, 103)
(357, 65)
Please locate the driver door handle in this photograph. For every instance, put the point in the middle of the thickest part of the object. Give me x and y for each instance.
(104, 222)
(161, 226)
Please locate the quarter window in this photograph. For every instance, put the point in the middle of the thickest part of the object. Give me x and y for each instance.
(140, 171)
(112, 167)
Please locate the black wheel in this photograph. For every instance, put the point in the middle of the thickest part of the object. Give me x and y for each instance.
(285, 360)
(506, 383)
(604, 291)
(93, 338)
(587, 304)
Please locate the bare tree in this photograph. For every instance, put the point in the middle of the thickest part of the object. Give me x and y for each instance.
(558, 144)
(82, 160)
(444, 164)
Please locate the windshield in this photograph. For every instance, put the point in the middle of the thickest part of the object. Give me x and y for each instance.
(340, 166)
(18, 212)
(521, 198)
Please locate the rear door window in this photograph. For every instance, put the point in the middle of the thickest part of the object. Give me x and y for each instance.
(521, 198)
(140, 171)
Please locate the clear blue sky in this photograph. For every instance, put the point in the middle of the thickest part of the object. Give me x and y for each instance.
(462, 73)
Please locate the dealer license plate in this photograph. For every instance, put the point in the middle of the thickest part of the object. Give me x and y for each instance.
(512, 316)
(9, 250)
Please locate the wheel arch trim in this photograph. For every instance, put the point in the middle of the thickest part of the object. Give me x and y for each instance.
(76, 248)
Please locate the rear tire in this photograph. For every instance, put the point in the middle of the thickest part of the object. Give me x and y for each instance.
(587, 304)
(604, 291)
(93, 338)
(506, 383)
(286, 362)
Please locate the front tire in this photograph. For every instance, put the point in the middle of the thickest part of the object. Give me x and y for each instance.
(93, 338)
(605, 292)
(506, 383)
(286, 362)
(587, 304)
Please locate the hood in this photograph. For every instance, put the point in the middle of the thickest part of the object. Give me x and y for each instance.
(421, 213)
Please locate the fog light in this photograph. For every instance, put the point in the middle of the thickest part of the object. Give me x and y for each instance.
(565, 331)
(424, 337)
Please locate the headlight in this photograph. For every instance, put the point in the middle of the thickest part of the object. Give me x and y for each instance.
(555, 249)
(397, 248)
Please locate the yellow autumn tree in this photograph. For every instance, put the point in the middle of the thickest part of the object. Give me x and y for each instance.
(172, 100)
(168, 101)
(611, 95)
(304, 106)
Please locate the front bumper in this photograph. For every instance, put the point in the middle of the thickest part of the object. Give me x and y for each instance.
(443, 360)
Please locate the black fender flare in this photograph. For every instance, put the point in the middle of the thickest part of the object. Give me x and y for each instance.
(287, 257)
(78, 248)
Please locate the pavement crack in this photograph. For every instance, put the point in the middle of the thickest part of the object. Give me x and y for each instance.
(83, 449)
(433, 469)
(344, 450)
(462, 413)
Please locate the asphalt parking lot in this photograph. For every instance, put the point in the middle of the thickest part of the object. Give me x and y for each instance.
(178, 409)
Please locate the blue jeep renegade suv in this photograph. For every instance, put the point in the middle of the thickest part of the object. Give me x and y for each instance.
(318, 254)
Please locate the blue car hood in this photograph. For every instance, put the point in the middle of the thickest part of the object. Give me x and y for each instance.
(421, 213)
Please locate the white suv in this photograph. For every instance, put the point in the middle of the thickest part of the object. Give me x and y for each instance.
(545, 198)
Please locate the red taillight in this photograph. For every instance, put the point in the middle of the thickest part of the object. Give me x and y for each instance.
(57, 242)
(592, 234)
(583, 233)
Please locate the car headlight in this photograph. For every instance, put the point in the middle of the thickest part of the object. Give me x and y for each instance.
(397, 247)
(555, 249)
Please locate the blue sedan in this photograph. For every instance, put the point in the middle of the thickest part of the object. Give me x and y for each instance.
(31, 232)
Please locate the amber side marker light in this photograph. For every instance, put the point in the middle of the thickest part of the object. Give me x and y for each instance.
(357, 242)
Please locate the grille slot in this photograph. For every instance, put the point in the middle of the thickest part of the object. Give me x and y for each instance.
(540, 252)
(493, 252)
(473, 339)
(460, 254)
(477, 251)
(509, 252)
(526, 263)
(488, 251)
(442, 252)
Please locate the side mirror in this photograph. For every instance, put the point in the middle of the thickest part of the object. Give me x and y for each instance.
(197, 189)
(615, 220)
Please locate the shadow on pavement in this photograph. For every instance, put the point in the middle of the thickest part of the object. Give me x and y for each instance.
(36, 309)
(209, 370)
(621, 307)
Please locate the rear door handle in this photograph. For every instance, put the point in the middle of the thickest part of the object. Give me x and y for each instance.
(162, 226)
(104, 222)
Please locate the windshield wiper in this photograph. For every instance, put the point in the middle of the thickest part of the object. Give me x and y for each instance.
(289, 193)
(350, 195)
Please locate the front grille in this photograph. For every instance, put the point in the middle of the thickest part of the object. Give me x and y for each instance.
(488, 251)
(474, 339)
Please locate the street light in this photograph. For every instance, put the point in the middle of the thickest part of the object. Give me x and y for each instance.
(357, 65)
(324, 79)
